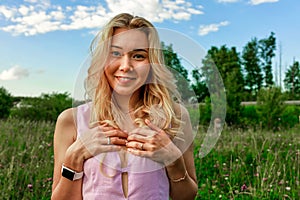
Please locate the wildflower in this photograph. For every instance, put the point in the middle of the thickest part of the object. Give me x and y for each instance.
(288, 188)
(256, 175)
(244, 187)
(30, 187)
(281, 182)
(49, 179)
(265, 179)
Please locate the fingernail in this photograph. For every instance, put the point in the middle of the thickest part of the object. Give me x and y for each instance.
(147, 121)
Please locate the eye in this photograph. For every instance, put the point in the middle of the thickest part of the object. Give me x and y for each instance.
(116, 54)
(139, 56)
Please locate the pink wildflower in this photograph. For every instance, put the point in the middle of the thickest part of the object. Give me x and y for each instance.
(244, 187)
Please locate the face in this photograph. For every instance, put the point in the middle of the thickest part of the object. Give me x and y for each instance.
(128, 64)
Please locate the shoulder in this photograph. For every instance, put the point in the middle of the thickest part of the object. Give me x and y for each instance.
(181, 111)
(68, 116)
(66, 123)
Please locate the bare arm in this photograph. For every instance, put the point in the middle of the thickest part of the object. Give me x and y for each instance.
(185, 185)
(64, 136)
(72, 152)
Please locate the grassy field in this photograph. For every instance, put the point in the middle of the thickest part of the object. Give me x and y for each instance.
(243, 164)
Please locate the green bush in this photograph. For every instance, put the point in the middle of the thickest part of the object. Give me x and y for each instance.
(6, 103)
(290, 116)
(47, 107)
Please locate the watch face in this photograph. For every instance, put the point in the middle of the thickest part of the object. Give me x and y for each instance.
(68, 174)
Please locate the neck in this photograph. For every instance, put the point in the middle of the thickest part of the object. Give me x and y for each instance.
(126, 103)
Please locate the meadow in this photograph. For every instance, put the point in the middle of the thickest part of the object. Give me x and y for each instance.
(244, 164)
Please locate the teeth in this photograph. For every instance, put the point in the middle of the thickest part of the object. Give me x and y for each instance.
(125, 78)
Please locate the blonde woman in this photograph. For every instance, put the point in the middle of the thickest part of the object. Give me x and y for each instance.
(133, 139)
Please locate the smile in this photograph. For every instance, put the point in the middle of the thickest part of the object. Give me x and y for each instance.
(124, 78)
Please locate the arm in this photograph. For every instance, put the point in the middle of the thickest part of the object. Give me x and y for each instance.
(186, 188)
(72, 152)
(64, 136)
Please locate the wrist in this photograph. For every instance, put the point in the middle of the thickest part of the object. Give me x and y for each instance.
(177, 171)
(74, 159)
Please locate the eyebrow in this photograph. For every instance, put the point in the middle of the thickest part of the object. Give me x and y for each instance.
(134, 50)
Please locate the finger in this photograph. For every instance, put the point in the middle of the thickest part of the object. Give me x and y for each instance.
(136, 137)
(136, 145)
(152, 126)
(118, 141)
(141, 133)
(116, 133)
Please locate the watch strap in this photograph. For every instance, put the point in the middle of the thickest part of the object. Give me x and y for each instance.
(71, 174)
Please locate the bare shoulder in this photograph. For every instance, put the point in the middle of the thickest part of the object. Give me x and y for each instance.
(66, 123)
(67, 116)
(181, 111)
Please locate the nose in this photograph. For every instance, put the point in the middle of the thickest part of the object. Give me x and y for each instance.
(126, 64)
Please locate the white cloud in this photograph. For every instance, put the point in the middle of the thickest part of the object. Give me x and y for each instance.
(228, 1)
(14, 73)
(37, 17)
(257, 2)
(205, 29)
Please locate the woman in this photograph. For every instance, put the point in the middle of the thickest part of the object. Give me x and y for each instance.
(132, 140)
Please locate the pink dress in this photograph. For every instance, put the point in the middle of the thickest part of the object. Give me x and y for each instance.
(147, 180)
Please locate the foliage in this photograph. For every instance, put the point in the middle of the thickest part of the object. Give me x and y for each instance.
(253, 71)
(270, 106)
(228, 65)
(251, 165)
(180, 73)
(292, 80)
(267, 52)
(6, 103)
(26, 159)
(46, 107)
(290, 116)
(199, 85)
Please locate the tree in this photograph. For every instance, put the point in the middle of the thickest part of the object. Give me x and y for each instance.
(292, 80)
(228, 64)
(179, 72)
(270, 106)
(47, 107)
(267, 52)
(199, 85)
(6, 103)
(253, 72)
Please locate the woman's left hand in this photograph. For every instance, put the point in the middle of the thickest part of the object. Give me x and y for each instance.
(152, 142)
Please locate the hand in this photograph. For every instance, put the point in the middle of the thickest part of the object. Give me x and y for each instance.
(101, 139)
(154, 143)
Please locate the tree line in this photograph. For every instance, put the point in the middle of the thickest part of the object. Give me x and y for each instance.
(246, 76)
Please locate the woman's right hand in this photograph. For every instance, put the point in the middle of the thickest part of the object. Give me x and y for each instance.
(96, 140)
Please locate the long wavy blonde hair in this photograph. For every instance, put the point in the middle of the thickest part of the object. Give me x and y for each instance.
(157, 97)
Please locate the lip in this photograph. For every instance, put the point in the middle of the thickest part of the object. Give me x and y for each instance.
(125, 79)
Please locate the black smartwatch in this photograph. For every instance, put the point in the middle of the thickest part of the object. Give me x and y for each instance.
(70, 174)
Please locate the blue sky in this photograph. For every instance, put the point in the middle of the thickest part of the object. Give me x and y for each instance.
(43, 43)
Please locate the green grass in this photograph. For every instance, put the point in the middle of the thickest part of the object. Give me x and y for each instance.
(266, 163)
(26, 159)
(251, 165)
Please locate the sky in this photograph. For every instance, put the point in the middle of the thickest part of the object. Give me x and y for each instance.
(45, 43)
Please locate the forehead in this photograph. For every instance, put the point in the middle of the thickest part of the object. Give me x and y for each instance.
(130, 39)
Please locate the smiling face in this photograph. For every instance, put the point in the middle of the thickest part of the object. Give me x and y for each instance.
(128, 62)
